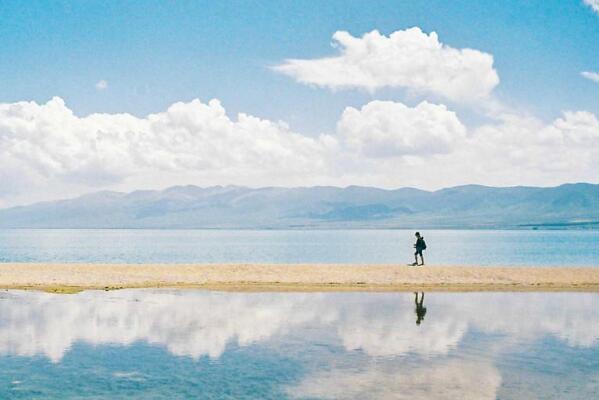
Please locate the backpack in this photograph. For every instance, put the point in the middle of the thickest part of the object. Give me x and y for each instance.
(423, 244)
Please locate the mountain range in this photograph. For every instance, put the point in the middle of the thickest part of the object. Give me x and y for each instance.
(221, 207)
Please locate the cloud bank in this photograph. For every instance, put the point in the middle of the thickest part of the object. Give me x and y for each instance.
(47, 145)
(52, 141)
(46, 150)
(409, 59)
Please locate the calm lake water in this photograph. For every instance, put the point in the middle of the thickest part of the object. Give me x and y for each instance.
(159, 344)
(463, 247)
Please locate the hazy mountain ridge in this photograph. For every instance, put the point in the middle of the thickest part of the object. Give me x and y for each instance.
(470, 206)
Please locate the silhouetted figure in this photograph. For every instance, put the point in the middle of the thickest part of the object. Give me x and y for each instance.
(419, 246)
(420, 308)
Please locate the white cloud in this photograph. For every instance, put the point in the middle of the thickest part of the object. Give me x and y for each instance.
(577, 128)
(48, 142)
(512, 150)
(594, 4)
(101, 85)
(528, 150)
(407, 59)
(593, 76)
(386, 129)
(46, 151)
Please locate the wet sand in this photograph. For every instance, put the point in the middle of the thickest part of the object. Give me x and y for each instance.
(68, 278)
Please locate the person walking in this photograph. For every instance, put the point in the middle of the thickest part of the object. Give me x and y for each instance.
(419, 246)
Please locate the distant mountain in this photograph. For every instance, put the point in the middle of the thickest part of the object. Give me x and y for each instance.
(471, 206)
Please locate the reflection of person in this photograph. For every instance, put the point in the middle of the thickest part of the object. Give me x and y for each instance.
(419, 246)
(420, 308)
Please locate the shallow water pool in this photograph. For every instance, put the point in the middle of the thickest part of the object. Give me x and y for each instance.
(165, 344)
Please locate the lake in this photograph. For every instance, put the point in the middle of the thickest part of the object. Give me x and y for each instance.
(169, 344)
(445, 247)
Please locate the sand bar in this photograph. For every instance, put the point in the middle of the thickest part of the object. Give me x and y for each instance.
(294, 277)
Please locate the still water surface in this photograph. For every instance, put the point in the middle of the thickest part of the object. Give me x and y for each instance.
(159, 344)
(449, 247)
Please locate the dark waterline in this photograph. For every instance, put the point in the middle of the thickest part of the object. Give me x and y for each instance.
(445, 247)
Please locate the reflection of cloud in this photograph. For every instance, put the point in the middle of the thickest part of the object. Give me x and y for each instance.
(443, 380)
(133, 376)
(388, 328)
(187, 323)
(199, 323)
(571, 317)
(391, 330)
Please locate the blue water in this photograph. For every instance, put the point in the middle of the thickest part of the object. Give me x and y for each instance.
(159, 344)
(445, 247)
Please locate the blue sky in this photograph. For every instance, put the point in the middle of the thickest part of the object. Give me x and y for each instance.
(153, 54)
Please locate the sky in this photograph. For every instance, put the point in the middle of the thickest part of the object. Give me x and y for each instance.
(143, 95)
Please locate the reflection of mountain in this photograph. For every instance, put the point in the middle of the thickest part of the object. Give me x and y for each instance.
(198, 323)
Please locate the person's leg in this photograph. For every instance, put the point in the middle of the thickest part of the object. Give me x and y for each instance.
(422, 257)
(416, 258)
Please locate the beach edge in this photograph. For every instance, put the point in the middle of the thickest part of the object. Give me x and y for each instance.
(76, 277)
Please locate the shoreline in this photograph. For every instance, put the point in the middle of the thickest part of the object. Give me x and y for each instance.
(72, 278)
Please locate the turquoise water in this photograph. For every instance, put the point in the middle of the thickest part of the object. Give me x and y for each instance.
(158, 344)
(448, 247)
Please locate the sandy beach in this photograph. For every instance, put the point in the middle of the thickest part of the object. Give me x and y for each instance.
(68, 278)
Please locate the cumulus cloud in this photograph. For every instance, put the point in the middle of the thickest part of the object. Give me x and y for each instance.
(593, 76)
(49, 142)
(512, 149)
(408, 59)
(594, 4)
(386, 128)
(101, 85)
(529, 148)
(46, 151)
